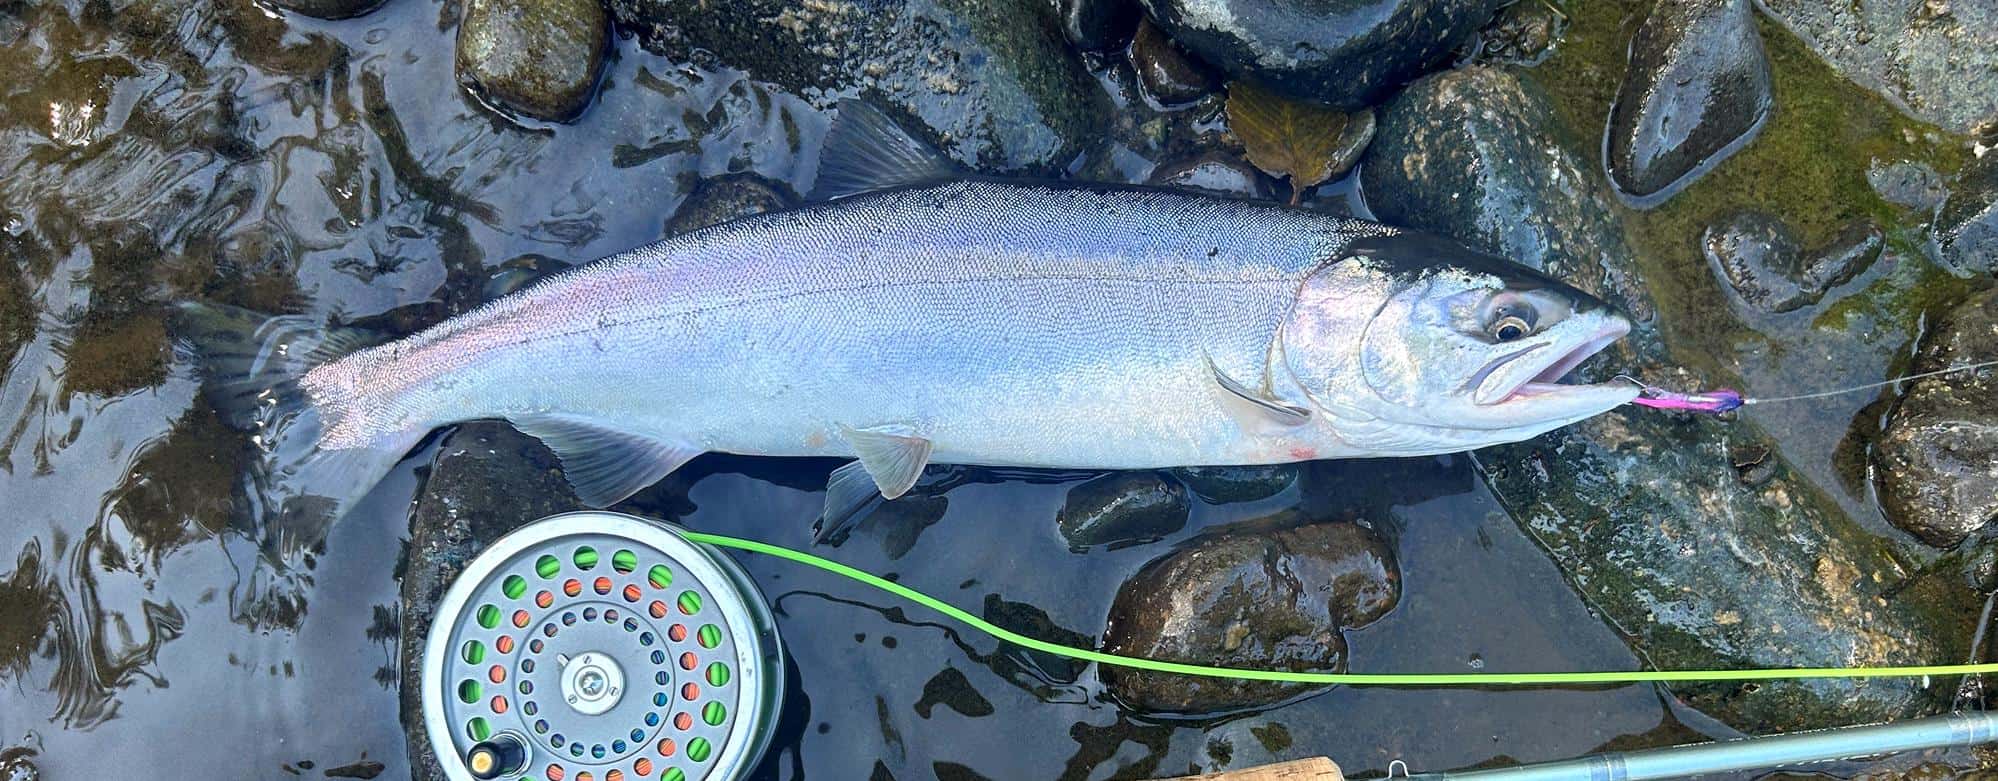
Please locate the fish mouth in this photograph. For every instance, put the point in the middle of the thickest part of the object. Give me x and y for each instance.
(1546, 381)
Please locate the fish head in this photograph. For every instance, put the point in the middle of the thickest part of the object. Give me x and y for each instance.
(1460, 348)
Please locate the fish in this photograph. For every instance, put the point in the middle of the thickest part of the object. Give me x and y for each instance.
(914, 315)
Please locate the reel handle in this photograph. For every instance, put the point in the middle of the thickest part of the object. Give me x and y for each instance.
(503, 755)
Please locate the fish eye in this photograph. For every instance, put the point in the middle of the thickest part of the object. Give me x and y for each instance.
(1509, 328)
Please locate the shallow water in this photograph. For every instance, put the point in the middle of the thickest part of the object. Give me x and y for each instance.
(336, 168)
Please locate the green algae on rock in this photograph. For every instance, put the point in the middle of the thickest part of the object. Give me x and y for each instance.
(1649, 521)
(1939, 60)
(1645, 512)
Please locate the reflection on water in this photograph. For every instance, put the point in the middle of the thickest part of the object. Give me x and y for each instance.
(153, 151)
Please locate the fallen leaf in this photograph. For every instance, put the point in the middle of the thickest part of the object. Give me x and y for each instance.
(1304, 142)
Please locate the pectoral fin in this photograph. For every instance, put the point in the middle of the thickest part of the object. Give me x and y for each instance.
(893, 455)
(605, 464)
(1258, 404)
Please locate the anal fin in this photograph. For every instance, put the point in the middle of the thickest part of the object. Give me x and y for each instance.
(605, 464)
(850, 491)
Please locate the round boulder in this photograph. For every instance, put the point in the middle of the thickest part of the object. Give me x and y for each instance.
(1757, 255)
(1214, 172)
(330, 9)
(1938, 456)
(1966, 228)
(536, 58)
(1122, 508)
(1697, 89)
(724, 198)
(1348, 53)
(1247, 599)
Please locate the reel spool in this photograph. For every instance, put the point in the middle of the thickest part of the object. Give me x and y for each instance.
(597, 646)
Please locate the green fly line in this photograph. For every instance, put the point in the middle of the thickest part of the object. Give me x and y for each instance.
(1350, 679)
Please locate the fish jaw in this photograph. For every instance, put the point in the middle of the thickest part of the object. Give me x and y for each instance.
(1527, 390)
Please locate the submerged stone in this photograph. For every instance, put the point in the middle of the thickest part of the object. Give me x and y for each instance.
(1966, 226)
(1247, 598)
(1122, 508)
(1348, 53)
(330, 9)
(1697, 88)
(538, 58)
(1938, 455)
(1227, 484)
(1450, 157)
(995, 81)
(487, 480)
(723, 198)
(1095, 25)
(1907, 183)
(1938, 60)
(1758, 256)
(1214, 172)
(1168, 75)
(1521, 34)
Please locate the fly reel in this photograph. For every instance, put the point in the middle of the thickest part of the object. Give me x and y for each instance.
(596, 646)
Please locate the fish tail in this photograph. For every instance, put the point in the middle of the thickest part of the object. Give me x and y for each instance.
(253, 369)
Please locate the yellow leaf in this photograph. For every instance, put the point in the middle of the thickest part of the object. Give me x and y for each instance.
(1305, 142)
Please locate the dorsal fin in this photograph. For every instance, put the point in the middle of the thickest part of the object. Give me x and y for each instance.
(866, 151)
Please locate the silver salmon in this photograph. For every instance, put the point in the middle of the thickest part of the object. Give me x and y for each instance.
(962, 322)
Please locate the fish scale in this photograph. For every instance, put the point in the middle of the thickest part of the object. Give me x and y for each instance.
(967, 321)
(1013, 325)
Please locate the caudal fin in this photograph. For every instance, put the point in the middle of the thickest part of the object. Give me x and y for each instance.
(250, 366)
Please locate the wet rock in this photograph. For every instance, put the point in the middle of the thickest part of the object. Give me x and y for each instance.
(1521, 34)
(1035, 671)
(1122, 508)
(1705, 567)
(539, 58)
(487, 480)
(723, 198)
(994, 82)
(1247, 599)
(1096, 25)
(1966, 226)
(1214, 172)
(518, 273)
(1938, 455)
(1697, 88)
(1228, 484)
(1167, 74)
(17, 764)
(330, 9)
(1645, 513)
(1906, 183)
(1937, 59)
(1348, 53)
(1758, 256)
(1449, 158)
